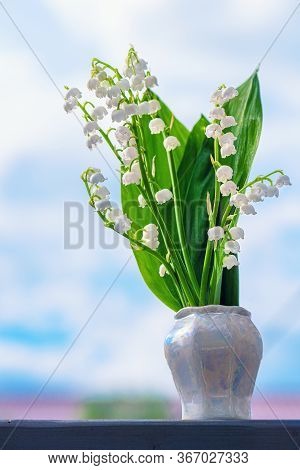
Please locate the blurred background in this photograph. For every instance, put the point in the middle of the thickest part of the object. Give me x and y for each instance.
(116, 367)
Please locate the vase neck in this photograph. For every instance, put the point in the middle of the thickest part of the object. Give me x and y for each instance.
(212, 309)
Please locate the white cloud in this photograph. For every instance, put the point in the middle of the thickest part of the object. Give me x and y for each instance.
(255, 15)
(265, 286)
(135, 358)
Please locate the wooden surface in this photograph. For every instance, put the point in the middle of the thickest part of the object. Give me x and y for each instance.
(126, 435)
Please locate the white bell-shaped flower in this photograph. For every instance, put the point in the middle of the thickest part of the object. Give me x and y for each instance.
(131, 109)
(150, 231)
(227, 138)
(162, 270)
(171, 143)
(261, 187)
(73, 93)
(102, 192)
(239, 200)
(156, 126)
(232, 246)
(70, 104)
(93, 83)
(99, 112)
(113, 214)
(122, 135)
(118, 115)
(133, 176)
(124, 84)
(140, 66)
(217, 98)
(154, 106)
(114, 92)
(150, 236)
(142, 201)
(227, 150)
(143, 108)
(96, 178)
(102, 75)
(230, 261)
(228, 121)
(248, 209)
(93, 140)
(255, 195)
(137, 82)
(101, 92)
(229, 93)
(112, 102)
(151, 81)
(152, 243)
(215, 233)
(90, 127)
(164, 195)
(122, 224)
(224, 173)
(257, 192)
(283, 180)
(272, 191)
(129, 154)
(216, 113)
(237, 233)
(228, 188)
(102, 205)
(213, 131)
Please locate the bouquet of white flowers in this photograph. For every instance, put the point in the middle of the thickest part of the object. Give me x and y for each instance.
(182, 192)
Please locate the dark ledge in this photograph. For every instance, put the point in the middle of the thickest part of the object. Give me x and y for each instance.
(130, 435)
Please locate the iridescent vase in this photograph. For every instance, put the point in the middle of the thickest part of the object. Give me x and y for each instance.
(214, 354)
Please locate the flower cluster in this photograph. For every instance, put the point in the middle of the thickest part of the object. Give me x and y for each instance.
(221, 121)
(100, 199)
(119, 101)
(240, 201)
(231, 246)
(257, 191)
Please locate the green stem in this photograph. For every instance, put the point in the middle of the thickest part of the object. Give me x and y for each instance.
(217, 185)
(179, 222)
(113, 69)
(260, 178)
(204, 288)
(226, 215)
(205, 273)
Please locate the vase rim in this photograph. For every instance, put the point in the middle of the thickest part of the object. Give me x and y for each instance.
(212, 309)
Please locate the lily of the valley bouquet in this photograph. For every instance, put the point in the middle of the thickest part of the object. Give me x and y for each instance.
(183, 192)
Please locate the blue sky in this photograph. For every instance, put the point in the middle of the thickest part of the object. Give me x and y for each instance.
(47, 292)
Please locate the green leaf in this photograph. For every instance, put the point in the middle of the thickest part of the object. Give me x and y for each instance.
(154, 144)
(247, 110)
(196, 179)
(163, 288)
